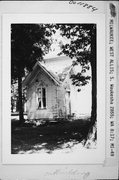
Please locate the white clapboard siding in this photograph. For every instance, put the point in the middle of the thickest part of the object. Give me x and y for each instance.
(54, 98)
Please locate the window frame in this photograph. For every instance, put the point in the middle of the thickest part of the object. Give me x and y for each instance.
(42, 106)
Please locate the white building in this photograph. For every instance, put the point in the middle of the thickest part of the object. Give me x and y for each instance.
(50, 93)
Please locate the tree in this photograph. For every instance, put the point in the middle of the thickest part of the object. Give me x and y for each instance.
(81, 45)
(29, 43)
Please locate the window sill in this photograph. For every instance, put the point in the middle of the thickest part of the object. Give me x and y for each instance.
(41, 108)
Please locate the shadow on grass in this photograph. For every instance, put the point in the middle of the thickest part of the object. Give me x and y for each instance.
(49, 137)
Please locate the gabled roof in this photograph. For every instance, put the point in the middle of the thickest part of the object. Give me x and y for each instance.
(31, 75)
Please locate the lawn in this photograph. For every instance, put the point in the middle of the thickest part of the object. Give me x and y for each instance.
(48, 136)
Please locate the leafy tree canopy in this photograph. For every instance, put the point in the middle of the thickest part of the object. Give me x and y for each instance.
(29, 42)
(79, 47)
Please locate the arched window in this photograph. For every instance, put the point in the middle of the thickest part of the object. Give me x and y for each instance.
(41, 91)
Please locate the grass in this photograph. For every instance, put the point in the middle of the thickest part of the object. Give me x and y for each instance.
(49, 136)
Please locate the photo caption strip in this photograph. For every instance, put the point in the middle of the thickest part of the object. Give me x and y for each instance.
(111, 80)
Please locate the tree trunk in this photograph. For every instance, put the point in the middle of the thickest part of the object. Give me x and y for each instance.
(21, 118)
(94, 75)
